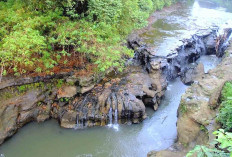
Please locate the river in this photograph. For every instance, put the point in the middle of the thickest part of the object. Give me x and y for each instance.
(157, 132)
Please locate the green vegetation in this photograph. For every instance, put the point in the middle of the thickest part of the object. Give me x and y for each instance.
(183, 108)
(64, 99)
(36, 35)
(223, 143)
(225, 111)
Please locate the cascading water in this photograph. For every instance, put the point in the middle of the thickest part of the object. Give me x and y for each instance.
(77, 122)
(171, 70)
(116, 116)
(110, 114)
(116, 126)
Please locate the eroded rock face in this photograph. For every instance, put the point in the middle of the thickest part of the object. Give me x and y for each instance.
(177, 63)
(197, 110)
(78, 102)
(198, 105)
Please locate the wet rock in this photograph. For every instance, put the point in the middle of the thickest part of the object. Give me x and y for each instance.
(192, 73)
(210, 43)
(85, 81)
(17, 109)
(120, 99)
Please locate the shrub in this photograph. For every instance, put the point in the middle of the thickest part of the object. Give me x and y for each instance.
(36, 34)
(225, 111)
(223, 143)
(22, 49)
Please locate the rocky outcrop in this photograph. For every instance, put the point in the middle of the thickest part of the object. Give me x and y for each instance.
(181, 62)
(198, 105)
(79, 102)
(198, 109)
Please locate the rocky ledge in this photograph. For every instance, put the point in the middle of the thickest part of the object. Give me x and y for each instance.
(77, 101)
(198, 109)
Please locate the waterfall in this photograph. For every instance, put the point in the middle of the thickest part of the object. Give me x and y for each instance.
(116, 126)
(116, 116)
(77, 122)
(170, 70)
(110, 117)
(129, 118)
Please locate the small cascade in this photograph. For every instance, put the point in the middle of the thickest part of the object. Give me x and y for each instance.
(227, 41)
(116, 126)
(129, 118)
(116, 116)
(171, 70)
(77, 122)
(110, 117)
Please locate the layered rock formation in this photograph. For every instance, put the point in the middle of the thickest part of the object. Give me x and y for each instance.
(198, 109)
(77, 101)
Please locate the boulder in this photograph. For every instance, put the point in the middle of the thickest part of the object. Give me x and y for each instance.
(69, 119)
(67, 92)
(192, 74)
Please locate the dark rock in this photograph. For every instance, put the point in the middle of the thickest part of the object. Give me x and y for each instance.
(192, 73)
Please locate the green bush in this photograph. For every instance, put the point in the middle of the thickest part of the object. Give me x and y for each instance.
(225, 111)
(35, 34)
(223, 149)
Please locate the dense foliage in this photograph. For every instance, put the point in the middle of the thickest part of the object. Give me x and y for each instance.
(223, 143)
(36, 35)
(225, 111)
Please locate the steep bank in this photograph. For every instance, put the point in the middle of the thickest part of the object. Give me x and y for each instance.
(199, 104)
(198, 109)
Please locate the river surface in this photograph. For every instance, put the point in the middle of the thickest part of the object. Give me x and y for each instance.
(155, 133)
